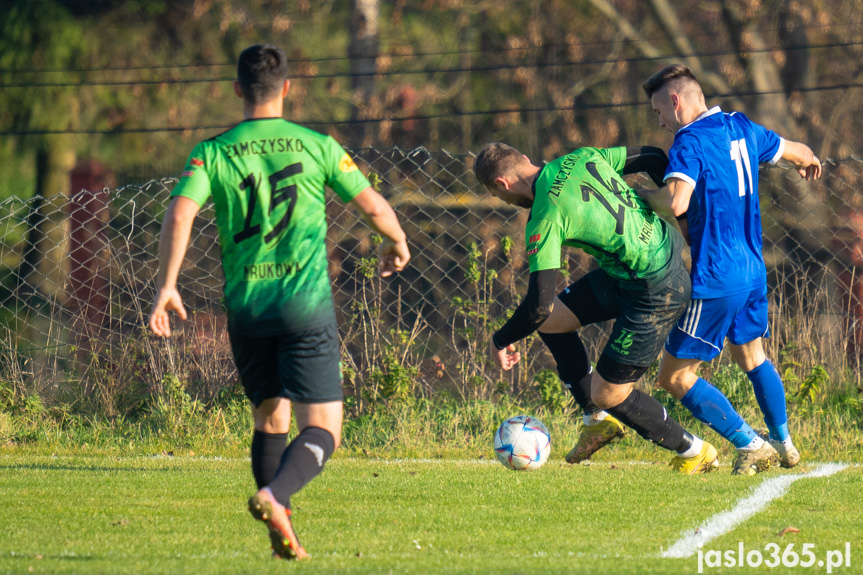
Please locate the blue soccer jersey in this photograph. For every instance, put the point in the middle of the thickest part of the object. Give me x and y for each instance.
(719, 154)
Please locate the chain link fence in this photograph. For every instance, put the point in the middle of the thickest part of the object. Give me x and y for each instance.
(77, 275)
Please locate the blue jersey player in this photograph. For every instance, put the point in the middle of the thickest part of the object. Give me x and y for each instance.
(712, 179)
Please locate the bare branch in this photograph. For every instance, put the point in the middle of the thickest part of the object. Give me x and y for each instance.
(627, 29)
(762, 71)
(666, 15)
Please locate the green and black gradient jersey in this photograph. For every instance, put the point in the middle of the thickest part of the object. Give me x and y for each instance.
(581, 200)
(267, 178)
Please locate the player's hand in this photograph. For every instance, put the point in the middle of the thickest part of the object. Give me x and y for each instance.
(505, 358)
(166, 300)
(812, 171)
(392, 257)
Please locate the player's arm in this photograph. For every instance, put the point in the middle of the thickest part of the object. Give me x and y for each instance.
(649, 160)
(658, 200)
(808, 164)
(174, 239)
(529, 315)
(680, 192)
(653, 162)
(394, 252)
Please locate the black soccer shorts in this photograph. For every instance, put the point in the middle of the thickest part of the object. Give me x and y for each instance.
(645, 311)
(304, 367)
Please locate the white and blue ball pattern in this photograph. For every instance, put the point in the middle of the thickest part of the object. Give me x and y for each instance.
(522, 442)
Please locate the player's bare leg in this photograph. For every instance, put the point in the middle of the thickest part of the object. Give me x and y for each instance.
(322, 415)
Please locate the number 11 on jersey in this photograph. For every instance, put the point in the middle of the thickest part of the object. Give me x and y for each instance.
(740, 156)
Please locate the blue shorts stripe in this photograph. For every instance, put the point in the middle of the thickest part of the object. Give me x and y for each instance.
(687, 317)
(693, 316)
(701, 332)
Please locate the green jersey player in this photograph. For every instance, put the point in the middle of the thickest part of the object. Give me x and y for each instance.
(266, 178)
(581, 200)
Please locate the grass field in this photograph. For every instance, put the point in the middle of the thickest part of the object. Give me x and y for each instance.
(187, 515)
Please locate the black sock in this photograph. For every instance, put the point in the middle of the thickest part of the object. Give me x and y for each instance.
(302, 461)
(267, 450)
(650, 420)
(573, 366)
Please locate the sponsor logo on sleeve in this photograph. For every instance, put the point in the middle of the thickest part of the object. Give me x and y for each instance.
(531, 244)
(346, 164)
(196, 162)
(188, 173)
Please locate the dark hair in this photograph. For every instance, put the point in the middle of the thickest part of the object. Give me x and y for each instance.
(494, 160)
(261, 71)
(667, 75)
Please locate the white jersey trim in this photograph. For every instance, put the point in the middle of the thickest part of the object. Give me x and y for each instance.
(702, 115)
(681, 176)
(778, 155)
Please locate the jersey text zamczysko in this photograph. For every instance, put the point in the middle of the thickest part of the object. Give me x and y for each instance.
(267, 178)
(582, 201)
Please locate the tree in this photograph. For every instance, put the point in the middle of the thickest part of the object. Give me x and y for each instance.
(42, 35)
(363, 51)
(758, 71)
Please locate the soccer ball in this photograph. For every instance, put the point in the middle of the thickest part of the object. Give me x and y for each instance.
(522, 442)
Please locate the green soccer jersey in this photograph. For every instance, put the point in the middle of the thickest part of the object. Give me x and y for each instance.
(267, 178)
(582, 201)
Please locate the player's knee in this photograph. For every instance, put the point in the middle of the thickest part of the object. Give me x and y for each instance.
(612, 382)
(609, 401)
(677, 383)
(676, 378)
(603, 400)
(663, 379)
(272, 424)
(273, 415)
(748, 355)
(753, 361)
(560, 319)
(334, 431)
(608, 395)
(668, 379)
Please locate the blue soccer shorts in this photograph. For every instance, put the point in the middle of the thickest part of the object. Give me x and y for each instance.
(701, 331)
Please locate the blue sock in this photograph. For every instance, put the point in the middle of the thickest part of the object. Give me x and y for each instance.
(710, 406)
(770, 394)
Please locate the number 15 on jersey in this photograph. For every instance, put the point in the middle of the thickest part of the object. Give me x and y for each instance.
(278, 196)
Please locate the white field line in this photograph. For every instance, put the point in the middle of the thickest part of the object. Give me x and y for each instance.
(724, 522)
